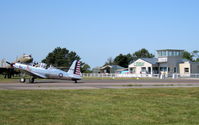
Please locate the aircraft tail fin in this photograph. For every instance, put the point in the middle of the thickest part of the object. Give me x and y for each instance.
(75, 68)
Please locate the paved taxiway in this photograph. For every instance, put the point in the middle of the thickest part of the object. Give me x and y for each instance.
(99, 84)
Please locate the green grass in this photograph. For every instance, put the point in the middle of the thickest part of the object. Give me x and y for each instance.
(11, 80)
(178, 106)
(2, 79)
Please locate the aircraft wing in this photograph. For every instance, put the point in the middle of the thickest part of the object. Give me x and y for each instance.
(38, 75)
(34, 74)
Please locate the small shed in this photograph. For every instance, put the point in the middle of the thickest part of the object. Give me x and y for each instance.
(110, 68)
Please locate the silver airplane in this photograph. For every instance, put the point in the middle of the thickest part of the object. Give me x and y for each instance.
(42, 71)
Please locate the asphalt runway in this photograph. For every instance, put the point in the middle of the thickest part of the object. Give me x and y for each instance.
(100, 84)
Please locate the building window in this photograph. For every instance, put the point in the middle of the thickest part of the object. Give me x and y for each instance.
(180, 53)
(164, 53)
(170, 53)
(132, 70)
(174, 70)
(173, 53)
(159, 54)
(177, 53)
(163, 69)
(143, 69)
(149, 70)
(186, 70)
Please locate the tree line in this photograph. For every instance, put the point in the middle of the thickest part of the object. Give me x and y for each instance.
(62, 57)
(124, 60)
(191, 56)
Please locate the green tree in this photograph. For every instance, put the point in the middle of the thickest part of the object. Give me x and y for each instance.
(85, 68)
(61, 57)
(191, 56)
(195, 54)
(187, 55)
(143, 53)
(109, 61)
(123, 60)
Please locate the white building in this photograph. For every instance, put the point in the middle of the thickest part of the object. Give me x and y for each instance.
(168, 61)
(144, 66)
(188, 67)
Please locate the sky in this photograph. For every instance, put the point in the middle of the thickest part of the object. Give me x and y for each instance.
(96, 29)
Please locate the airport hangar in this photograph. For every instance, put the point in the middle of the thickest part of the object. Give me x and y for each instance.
(168, 61)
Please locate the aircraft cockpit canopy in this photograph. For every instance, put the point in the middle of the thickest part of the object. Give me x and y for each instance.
(42, 65)
(51, 67)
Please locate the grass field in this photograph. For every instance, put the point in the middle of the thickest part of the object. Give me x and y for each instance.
(2, 79)
(179, 106)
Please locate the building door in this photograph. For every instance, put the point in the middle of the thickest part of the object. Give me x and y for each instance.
(143, 70)
(149, 70)
(155, 70)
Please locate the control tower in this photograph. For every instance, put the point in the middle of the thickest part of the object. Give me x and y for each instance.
(169, 60)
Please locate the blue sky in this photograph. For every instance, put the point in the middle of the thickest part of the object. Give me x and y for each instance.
(96, 29)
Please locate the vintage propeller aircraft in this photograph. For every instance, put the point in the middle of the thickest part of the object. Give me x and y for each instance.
(42, 71)
(9, 71)
(27, 59)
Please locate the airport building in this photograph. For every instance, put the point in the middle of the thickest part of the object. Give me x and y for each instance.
(168, 61)
(189, 67)
(110, 69)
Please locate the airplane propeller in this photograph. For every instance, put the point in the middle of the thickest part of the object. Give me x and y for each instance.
(11, 64)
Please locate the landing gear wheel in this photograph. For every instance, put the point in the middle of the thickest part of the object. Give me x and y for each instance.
(22, 80)
(75, 81)
(31, 80)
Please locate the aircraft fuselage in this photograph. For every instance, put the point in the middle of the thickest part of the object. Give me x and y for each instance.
(48, 73)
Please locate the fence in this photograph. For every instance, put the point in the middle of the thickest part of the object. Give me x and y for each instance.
(116, 75)
(161, 76)
(193, 75)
